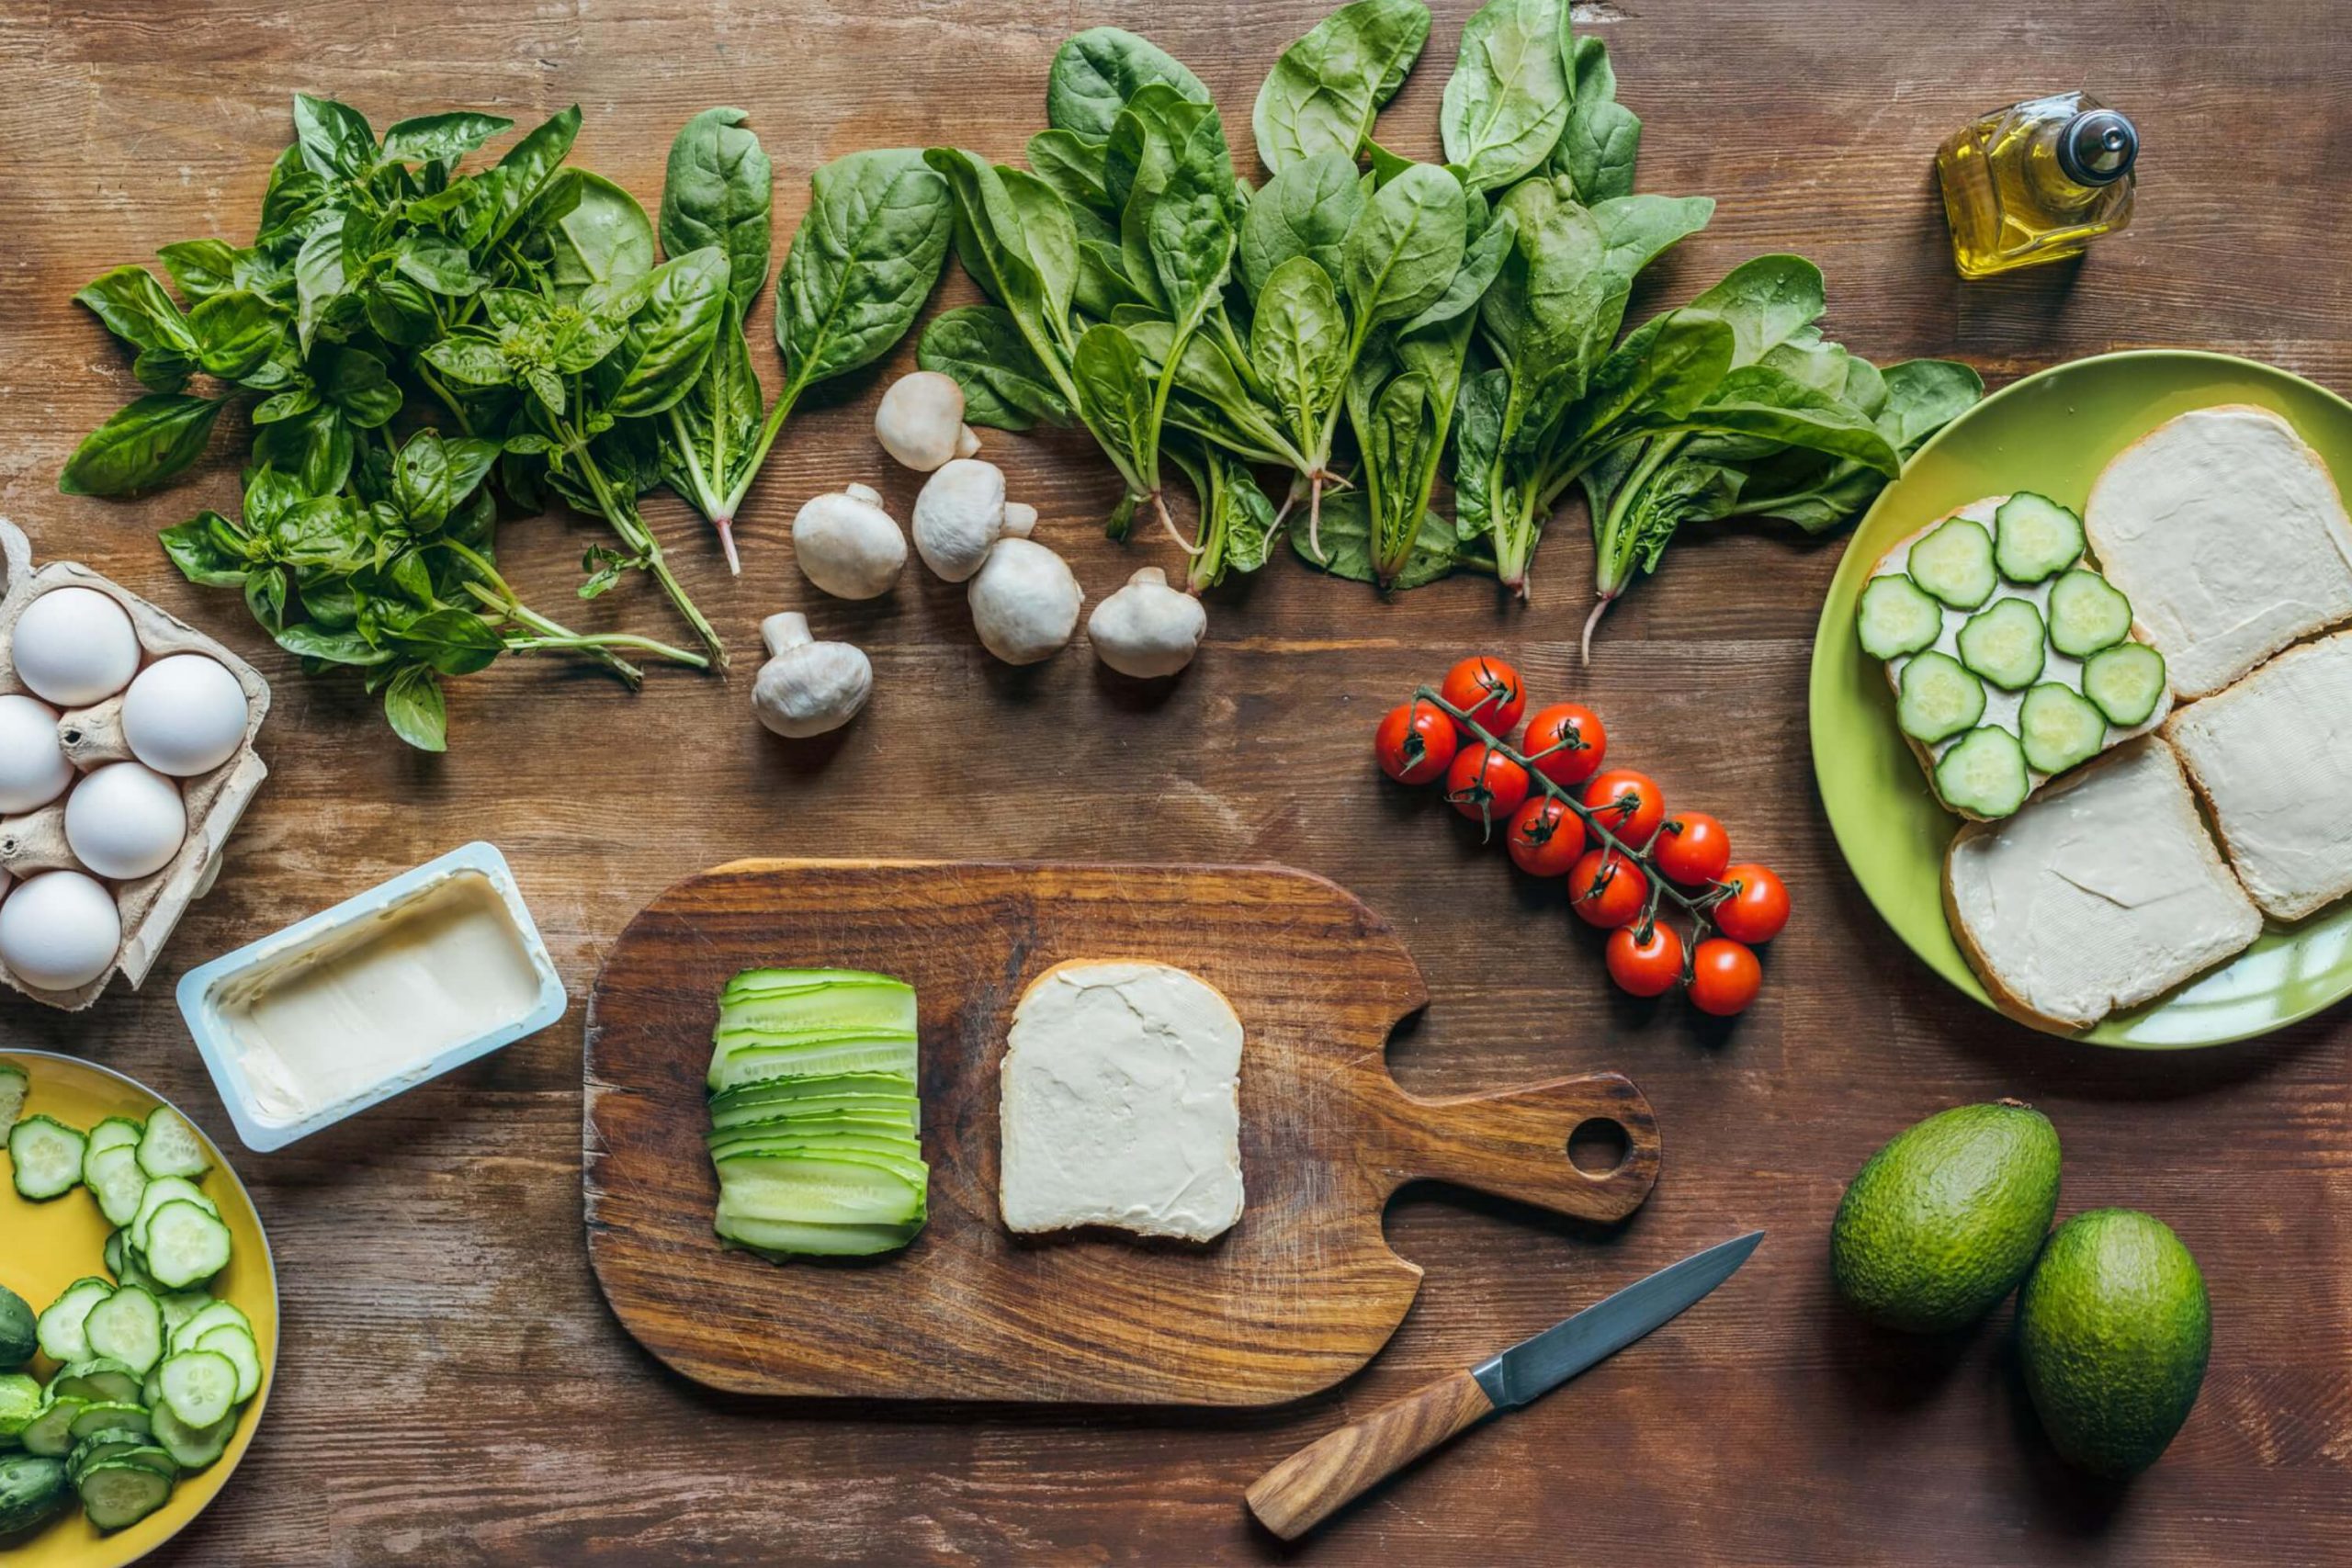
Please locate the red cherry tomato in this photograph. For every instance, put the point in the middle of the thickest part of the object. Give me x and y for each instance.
(1626, 802)
(1607, 890)
(1647, 964)
(1758, 907)
(1692, 848)
(1564, 743)
(1724, 977)
(1415, 743)
(1489, 691)
(1484, 784)
(1545, 837)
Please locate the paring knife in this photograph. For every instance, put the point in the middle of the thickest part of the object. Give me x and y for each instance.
(1321, 1478)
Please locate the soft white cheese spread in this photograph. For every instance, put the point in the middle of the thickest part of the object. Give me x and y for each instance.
(360, 1007)
(1120, 1103)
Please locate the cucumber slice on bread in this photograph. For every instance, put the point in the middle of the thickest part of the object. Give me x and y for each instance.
(2006, 643)
(2086, 613)
(1897, 618)
(1954, 562)
(2126, 681)
(1936, 698)
(1983, 773)
(2034, 538)
(2059, 727)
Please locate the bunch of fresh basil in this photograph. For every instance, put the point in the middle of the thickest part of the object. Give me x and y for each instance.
(515, 322)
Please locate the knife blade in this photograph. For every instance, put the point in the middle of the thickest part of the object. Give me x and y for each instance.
(1333, 1471)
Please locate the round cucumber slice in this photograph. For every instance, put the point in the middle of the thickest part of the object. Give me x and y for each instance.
(2126, 681)
(1955, 563)
(1897, 618)
(1936, 698)
(2035, 539)
(2005, 645)
(1985, 772)
(2059, 727)
(2086, 613)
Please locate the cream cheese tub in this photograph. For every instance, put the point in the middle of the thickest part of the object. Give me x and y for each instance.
(384, 991)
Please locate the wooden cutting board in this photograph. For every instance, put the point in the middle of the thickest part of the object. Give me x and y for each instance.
(1297, 1295)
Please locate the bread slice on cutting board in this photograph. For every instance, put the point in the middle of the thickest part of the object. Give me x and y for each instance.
(1119, 1103)
(2228, 534)
(2272, 756)
(2102, 892)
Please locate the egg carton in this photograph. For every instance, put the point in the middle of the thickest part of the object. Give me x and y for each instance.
(150, 906)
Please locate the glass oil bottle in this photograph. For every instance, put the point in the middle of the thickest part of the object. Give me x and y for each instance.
(2036, 182)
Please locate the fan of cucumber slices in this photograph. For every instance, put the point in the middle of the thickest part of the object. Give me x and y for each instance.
(154, 1374)
(2012, 660)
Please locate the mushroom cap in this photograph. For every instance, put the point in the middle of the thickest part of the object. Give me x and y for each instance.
(1025, 602)
(920, 419)
(958, 515)
(812, 687)
(848, 546)
(1147, 629)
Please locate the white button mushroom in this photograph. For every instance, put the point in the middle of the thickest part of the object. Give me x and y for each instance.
(920, 421)
(847, 545)
(961, 512)
(808, 687)
(1025, 602)
(1146, 629)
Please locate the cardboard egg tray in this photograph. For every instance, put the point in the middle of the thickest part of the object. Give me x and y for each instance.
(35, 841)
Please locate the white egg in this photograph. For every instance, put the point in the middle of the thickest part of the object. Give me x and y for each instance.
(74, 647)
(185, 714)
(58, 931)
(125, 820)
(33, 769)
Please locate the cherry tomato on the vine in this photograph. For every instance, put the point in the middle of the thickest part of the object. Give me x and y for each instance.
(1564, 743)
(1626, 802)
(1484, 784)
(1692, 848)
(1488, 690)
(1545, 837)
(1758, 907)
(1724, 977)
(1607, 890)
(1415, 743)
(1647, 964)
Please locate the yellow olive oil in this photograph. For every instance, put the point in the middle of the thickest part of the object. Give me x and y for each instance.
(2036, 182)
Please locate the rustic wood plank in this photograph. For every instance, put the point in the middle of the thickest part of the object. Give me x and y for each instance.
(428, 1253)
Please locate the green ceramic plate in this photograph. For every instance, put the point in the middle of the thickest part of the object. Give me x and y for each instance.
(2051, 433)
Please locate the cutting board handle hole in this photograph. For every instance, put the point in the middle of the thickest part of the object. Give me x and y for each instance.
(1600, 1146)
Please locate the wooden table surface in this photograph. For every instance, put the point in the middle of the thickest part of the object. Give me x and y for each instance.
(452, 1390)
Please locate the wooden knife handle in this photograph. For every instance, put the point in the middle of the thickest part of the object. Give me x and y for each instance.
(1333, 1471)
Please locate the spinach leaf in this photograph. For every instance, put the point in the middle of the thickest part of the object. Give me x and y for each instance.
(1347, 545)
(1004, 386)
(1299, 341)
(1096, 71)
(1602, 138)
(1322, 94)
(1073, 166)
(604, 237)
(1238, 522)
(1304, 210)
(1507, 102)
(718, 191)
(669, 340)
(1114, 398)
(144, 443)
(335, 142)
(1189, 226)
(864, 260)
(1405, 247)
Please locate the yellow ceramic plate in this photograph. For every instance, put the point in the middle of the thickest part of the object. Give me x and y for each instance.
(46, 1247)
(2052, 433)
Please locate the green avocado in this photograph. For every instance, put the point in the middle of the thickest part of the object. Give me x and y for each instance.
(1946, 1219)
(18, 1339)
(2114, 1329)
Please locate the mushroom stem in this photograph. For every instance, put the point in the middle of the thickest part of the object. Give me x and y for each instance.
(787, 628)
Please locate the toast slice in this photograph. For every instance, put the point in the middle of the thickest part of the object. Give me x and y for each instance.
(2228, 534)
(2103, 892)
(2272, 756)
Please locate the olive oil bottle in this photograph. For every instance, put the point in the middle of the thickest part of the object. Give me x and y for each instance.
(2036, 182)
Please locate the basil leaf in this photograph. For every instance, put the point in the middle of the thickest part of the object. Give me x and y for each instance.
(453, 642)
(441, 138)
(236, 331)
(866, 256)
(417, 710)
(669, 340)
(145, 442)
(202, 267)
(1326, 88)
(983, 349)
(317, 276)
(401, 312)
(439, 265)
(1304, 210)
(357, 383)
(197, 547)
(472, 360)
(1507, 102)
(517, 179)
(1405, 246)
(316, 449)
(1096, 71)
(335, 142)
(718, 191)
(265, 599)
(135, 309)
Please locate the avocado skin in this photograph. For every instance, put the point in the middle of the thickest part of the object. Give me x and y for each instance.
(18, 1337)
(2114, 1329)
(1945, 1220)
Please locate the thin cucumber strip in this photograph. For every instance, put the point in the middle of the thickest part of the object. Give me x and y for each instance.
(1896, 618)
(899, 1108)
(237, 1345)
(61, 1327)
(186, 1243)
(781, 1239)
(2034, 538)
(2126, 681)
(851, 1125)
(1936, 698)
(834, 1188)
(1955, 563)
(888, 1007)
(13, 1085)
(2006, 645)
(2059, 727)
(116, 1495)
(47, 1157)
(1984, 772)
(750, 982)
(750, 1063)
(2087, 614)
(198, 1387)
(192, 1448)
(128, 1326)
(169, 1147)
